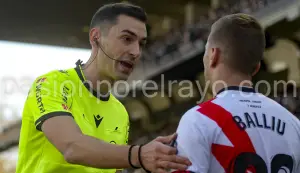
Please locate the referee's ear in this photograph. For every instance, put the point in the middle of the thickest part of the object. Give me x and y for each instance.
(94, 34)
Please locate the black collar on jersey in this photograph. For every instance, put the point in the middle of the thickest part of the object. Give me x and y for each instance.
(238, 88)
(80, 75)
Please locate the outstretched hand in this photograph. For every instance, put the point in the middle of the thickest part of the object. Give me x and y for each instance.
(166, 139)
(158, 156)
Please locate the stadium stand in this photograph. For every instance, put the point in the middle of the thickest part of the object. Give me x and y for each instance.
(272, 70)
(182, 43)
(160, 115)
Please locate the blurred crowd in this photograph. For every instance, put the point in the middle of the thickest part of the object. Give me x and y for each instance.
(199, 31)
(290, 100)
(178, 37)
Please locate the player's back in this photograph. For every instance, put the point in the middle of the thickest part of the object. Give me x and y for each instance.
(242, 131)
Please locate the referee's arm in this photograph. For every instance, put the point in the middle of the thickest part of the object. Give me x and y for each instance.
(59, 127)
(80, 149)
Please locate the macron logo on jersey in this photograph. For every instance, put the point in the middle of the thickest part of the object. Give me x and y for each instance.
(98, 120)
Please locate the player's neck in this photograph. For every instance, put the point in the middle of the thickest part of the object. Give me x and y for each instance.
(232, 79)
(100, 82)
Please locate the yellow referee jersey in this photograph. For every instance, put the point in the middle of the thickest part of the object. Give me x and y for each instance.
(64, 93)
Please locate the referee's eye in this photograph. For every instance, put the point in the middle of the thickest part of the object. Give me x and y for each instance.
(127, 39)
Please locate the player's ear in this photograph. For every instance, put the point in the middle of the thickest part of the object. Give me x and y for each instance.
(215, 57)
(256, 69)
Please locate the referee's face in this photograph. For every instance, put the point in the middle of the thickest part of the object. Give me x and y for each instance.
(125, 42)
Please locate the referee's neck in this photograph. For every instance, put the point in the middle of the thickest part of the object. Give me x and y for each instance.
(100, 82)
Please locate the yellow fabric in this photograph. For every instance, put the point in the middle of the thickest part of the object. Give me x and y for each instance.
(63, 93)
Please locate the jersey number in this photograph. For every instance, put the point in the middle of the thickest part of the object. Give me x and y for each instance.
(251, 161)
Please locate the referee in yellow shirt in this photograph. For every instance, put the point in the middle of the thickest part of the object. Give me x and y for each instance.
(70, 125)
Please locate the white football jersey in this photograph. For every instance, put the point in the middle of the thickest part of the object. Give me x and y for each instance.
(240, 131)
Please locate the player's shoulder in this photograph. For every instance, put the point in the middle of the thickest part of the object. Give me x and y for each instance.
(191, 114)
(194, 114)
(276, 107)
(197, 124)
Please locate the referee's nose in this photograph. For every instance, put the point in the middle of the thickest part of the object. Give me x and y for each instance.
(135, 50)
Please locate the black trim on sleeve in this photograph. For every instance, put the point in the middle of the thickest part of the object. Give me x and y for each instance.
(39, 122)
(183, 171)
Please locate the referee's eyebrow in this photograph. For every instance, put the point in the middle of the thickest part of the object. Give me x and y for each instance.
(133, 34)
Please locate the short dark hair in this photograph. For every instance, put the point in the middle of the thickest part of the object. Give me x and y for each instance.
(110, 12)
(242, 39)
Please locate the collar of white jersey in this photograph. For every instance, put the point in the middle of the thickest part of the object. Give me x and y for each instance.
(237, 88)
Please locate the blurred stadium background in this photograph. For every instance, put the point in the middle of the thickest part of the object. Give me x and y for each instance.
(54, 34)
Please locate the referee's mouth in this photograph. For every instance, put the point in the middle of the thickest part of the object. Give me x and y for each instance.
(126, 66)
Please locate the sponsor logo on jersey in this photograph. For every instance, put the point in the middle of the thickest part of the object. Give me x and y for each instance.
(39, 98)
(40, 80)
(65, 107)
(64, 72)
(65, 94)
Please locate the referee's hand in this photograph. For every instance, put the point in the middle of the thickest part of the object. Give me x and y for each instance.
(157, 156)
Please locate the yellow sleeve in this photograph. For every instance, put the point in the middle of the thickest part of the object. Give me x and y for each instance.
(49, 96)
(127, 126)
(125, 143)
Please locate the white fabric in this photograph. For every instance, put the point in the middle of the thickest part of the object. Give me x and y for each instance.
(198, 134)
